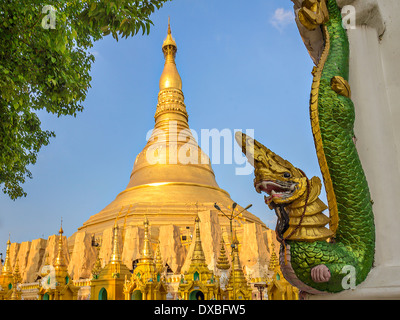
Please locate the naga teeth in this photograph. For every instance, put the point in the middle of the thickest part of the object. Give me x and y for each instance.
(264, 184)
(273, 192)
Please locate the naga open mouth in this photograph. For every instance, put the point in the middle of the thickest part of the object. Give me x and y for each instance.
(275, 189)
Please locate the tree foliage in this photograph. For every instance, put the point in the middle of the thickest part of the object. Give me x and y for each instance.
(44, 65)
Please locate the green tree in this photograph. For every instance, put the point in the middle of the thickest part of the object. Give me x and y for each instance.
(45, 63)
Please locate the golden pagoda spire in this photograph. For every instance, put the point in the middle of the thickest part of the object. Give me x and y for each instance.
(170, 77)
(237, 281)
(147, 253)
(6, 270)
(236, 259)
(222, 261)
(273, 262)
(15, 295)
(60, 264)
(198, 256)
(170, 96)
(159, 261)
(16, 273)
(115, 256)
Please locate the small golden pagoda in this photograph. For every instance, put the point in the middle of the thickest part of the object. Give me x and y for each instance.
(278, 288)
(108, 283)
(16, 292)
(147, 281)
(199, 282)
(237, 287)
(57, 284)
(160, 267)
(223, 267)
(6, 276)
(223, 262)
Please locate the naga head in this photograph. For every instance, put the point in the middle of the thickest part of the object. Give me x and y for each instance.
(275, 176)
(279, 179)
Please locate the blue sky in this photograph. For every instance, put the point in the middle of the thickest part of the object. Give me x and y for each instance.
(243, 66)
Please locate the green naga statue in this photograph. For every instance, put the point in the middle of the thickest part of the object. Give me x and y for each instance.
(312, 257)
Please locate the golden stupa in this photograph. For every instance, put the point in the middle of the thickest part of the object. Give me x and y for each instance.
(172, 178)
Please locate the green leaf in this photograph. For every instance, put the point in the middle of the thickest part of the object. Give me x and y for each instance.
(54, 73)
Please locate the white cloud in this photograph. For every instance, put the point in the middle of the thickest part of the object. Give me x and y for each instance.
(282, 18)
(95, 53)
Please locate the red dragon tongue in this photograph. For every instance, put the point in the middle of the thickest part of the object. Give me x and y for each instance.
(271, 188)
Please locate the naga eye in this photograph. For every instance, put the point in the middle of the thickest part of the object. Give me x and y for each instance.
(287, 175)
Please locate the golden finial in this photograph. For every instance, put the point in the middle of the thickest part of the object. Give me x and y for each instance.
(60, 265)
(115, 256)
(170, 77)
(169, 40)
(159, 261)
(6, 270)
(61, 231)
(198, 253)
(146, 252)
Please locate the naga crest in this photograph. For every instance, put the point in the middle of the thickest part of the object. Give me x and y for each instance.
(292, 196)
(313, 13)
(275, 176)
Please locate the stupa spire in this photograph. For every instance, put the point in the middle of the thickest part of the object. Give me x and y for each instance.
(158, 259)
(273, 262)
(16, 294)
(170, 77)
(60, 265)
(198, 256)
(6, 270)
(222, 262)
(147, 253)
(236, 259)
(115, 256)
(16, 273)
